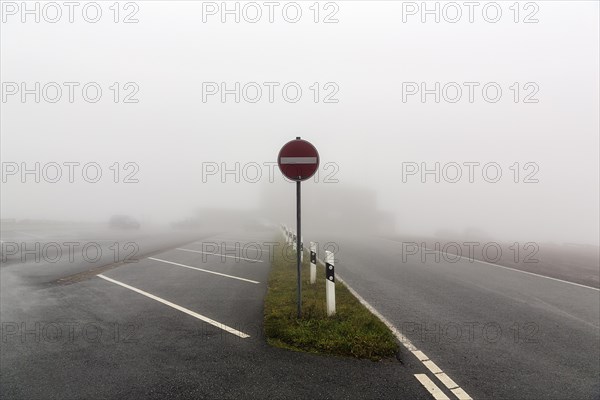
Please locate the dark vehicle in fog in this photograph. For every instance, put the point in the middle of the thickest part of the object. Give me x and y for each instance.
(123, 222)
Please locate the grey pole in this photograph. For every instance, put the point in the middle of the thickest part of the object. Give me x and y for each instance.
(298, 247)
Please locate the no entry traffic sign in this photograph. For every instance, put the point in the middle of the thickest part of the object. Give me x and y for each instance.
(298, 160)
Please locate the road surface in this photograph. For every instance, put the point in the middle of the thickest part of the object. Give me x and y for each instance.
(178, 323)
(183, 318)
(497, 332)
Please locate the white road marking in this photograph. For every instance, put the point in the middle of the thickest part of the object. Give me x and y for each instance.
(247, 247)
(203, 270)
(403, 339)
(437, 371)
(435, 391)
(30, 234)
(180, 308)
(517, 270)
(432, 367)
(445, 379)
(449, 383)
(217, 254)
(461, 394)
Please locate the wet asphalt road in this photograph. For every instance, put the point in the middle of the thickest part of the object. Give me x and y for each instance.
(498, 333)
(68, 333)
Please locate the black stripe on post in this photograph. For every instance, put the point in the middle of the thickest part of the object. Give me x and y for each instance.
(329, 272)
(313, 257)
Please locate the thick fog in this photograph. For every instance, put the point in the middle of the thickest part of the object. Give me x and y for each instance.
(169, 143)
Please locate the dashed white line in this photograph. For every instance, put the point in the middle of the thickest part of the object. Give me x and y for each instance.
(430, 365)
(461, 394)
(217, 254)
(203, 270)
(445, 379)
(420, 355)
(449, 383)
(435, 391)
(180, 308)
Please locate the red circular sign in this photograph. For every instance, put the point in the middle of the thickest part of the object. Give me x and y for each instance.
(298, 160)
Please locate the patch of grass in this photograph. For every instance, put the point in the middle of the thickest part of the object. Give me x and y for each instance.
(353, 331)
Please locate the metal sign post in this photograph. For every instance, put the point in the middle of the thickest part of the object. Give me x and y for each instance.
(298, 160)
(298, 250)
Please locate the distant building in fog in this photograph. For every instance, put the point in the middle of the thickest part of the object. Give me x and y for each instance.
(328, 207)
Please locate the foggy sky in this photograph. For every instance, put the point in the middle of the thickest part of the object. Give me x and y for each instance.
(171, 132)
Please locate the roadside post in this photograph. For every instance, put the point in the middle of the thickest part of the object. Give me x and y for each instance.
(330, 284)
(298, 160)
(313, 262)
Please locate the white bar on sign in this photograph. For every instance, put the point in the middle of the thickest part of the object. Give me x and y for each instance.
(298, 160)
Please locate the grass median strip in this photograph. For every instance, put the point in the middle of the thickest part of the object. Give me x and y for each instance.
(354, 331)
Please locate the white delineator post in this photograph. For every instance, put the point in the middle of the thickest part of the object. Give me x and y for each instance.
(313, 262)
(330, 284)
(302, 249)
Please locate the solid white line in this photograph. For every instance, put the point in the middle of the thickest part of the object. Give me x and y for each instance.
(435, 391)
(182, 309)
(517, 270)
(217, 254)
(30, 234)
(247, 249)
(203, 270)
(403, 339)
